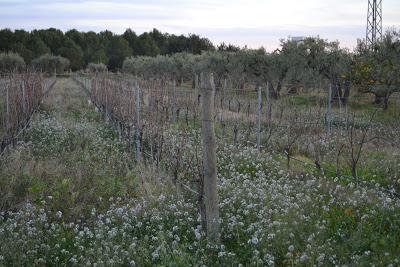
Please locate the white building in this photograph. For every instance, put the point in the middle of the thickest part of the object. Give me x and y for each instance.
(297, 39)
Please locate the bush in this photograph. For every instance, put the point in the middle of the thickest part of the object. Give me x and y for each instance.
(10, 62)
(97, 67)
(48, 63)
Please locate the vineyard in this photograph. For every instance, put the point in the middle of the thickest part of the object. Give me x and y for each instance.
(331, 137)
(199, 160)
(21, 94)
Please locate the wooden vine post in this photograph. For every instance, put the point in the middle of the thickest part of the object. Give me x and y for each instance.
(23, 98)
(137, 135)
(7, 109)
(106, 105)
(210, 192)
(259, 109)
(268, 104)
(329, 111)
(174, 101)
(222, 106)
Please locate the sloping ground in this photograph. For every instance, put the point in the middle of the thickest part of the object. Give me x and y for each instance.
(74, 197)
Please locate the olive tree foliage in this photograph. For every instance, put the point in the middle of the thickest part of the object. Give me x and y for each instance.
(133, 65)
(216, 63)
(236, 69)
(329, 62)
(377, 70)
(280, 62)
(159, 66)
(299, 64)
(150, 67)
(184, 63)
(49, 63)
(255, 65)
(11, 62)
(97, 67)
(180, 66)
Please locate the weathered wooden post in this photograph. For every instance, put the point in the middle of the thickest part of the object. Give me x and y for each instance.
(196, 81)
(268, 104)
(129, 139)
(23, 98)
(106, 102)
(210, 192)
(94, 97)
(138, 129)
(259, 109)
(329, 111)
(7, 108)
(174, 101)
(223, 93)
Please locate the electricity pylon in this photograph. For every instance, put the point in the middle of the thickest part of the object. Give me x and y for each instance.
(374, 22)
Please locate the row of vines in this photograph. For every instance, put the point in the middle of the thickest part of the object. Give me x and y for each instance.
(144, 110)
(20, 96)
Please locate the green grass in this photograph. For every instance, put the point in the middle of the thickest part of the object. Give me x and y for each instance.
(306, 100)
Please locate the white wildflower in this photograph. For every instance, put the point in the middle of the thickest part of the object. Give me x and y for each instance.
(304, 258)
(59, 214)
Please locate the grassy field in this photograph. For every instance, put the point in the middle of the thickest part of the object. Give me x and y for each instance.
(73, 195)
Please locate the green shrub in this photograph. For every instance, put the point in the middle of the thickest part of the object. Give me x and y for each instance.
(49, 63)
(97, 67)
(10, 62)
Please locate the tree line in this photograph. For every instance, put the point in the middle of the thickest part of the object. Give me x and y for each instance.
(81, 48)
(306, 64)
(311, 63)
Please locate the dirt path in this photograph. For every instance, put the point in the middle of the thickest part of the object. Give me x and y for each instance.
(66, 99)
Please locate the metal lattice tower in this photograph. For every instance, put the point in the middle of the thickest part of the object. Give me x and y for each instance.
(374, 22)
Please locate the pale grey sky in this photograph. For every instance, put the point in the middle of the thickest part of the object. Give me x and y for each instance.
(242, 22)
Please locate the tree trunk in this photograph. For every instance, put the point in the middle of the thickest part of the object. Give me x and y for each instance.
(288, 159)
(235, 134)
(278, 88)
(273, 92)
(338, 165)
(378, 99)
(354, 171)
(386, 102)
(382, 99)
(336, 90)
(346, 92)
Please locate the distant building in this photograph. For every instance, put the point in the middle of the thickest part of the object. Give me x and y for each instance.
(297, 39)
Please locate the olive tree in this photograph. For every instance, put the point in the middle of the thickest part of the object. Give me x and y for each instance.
(49, 63)
(11, 62)
(215, 62)
(279, 64)
(377, 70)
(97, 67)
(184, 65)
(330, 62)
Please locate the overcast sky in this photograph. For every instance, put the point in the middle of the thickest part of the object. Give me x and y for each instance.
(242, 22)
